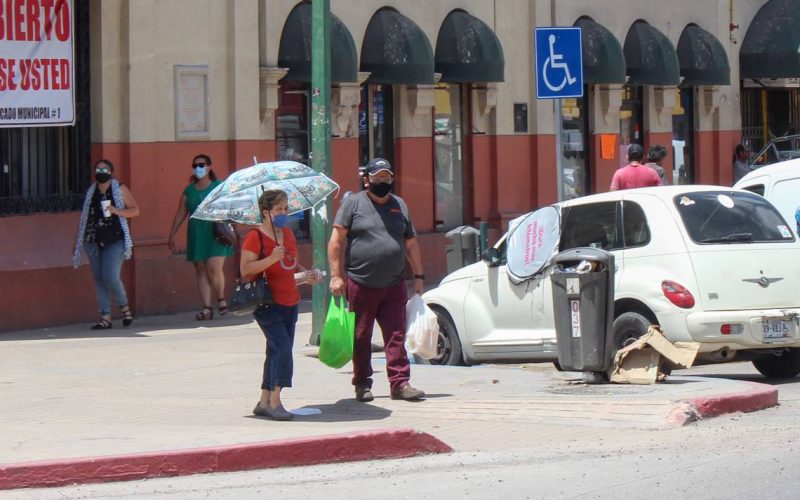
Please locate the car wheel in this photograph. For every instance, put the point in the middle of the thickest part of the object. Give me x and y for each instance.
(786, 365)
(628, 327)
(448, 349)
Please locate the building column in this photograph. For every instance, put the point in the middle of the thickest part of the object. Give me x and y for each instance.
(244, 73)
(659, 103)
(604, 104)
(346, 99)
(414, 151)
(481, 140)
(713, 147)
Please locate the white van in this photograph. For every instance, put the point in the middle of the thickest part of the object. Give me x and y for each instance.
(780, 184)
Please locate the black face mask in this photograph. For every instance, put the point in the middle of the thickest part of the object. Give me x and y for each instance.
(101, 178)
(380, 190)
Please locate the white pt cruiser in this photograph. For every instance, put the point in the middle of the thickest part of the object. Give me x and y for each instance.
(714, 265)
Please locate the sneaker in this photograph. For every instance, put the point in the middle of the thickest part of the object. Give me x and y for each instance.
(364, 394)
(408, 393)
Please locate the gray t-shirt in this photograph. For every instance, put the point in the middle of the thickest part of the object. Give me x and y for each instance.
(740, 169)
(659, 170)
(376, 247)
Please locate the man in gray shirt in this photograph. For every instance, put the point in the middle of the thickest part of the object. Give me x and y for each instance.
(372, 236)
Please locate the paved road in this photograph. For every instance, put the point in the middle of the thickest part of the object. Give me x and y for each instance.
(753, 455)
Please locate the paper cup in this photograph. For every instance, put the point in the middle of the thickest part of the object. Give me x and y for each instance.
(104, 204)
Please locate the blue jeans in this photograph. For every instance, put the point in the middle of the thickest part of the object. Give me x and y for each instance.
(106, 265)
(278, 323)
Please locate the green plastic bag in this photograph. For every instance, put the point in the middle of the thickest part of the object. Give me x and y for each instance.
(336, 344)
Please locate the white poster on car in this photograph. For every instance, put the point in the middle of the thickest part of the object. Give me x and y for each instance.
(37, 77)
(532, 241)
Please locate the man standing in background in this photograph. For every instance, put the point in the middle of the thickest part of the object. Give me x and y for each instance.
(740, 166)
(634, 174)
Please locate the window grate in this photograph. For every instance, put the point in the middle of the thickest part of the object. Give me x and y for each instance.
(46, 169)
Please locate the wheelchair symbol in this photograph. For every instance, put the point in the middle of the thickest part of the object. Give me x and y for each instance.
(555, 62)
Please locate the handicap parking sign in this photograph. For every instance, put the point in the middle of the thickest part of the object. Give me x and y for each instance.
(559, 63)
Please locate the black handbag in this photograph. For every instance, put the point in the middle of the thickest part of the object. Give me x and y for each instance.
(109, 233)
(251, 295)
(224, 233)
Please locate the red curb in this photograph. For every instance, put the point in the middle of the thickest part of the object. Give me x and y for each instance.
(761, 396)
(397, 443)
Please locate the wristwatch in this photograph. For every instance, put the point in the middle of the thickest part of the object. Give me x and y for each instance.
(419, 277)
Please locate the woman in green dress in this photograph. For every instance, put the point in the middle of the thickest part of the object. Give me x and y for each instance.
(202, 248)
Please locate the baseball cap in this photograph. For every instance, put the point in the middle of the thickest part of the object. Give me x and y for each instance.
(635, 149)
(375, 165)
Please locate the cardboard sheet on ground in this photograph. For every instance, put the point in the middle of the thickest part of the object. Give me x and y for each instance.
(650, 358)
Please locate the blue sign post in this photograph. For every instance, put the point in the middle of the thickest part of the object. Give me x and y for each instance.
(559, 63)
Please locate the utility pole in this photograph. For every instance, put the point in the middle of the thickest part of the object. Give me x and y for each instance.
(320, 153)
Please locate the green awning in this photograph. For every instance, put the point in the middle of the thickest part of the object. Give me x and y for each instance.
(395, 50)
(771, 47)
(650, 58)
(702, 58)
(467, 50)
(603, 60)
(295, 48)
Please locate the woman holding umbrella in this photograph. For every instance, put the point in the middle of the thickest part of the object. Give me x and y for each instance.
(272, 249)
(202, 248)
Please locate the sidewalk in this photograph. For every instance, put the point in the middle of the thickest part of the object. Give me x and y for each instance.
(172, 383)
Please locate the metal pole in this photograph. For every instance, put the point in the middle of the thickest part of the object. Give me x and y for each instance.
(320, 152)
(559, 149)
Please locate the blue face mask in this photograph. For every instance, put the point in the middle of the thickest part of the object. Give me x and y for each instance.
(200, 172)
(280, 220)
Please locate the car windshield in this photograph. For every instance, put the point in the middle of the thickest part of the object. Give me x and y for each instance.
(729, 217)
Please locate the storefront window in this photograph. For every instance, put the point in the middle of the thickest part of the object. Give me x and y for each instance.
(574, 162)
(683, 137)
(449, 161)
(376, 120)
(630, 121)
(294, 140)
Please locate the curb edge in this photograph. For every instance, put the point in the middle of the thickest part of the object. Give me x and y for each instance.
(392, 443)
(760, 397)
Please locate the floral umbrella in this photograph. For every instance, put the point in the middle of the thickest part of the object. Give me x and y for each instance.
(236, 199)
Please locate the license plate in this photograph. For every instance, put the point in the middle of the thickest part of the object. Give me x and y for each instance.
(776, 329)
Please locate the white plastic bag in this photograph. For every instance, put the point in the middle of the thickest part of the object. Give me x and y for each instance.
(422, 328)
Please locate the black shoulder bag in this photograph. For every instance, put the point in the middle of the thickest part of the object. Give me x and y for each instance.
(251, 295)
(224, 233)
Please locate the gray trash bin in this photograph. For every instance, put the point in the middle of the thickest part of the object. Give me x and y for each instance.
(583, 303)
(464, 249)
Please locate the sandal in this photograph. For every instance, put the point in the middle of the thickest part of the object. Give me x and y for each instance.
(127, 315)
(203, 315)
(222, 305)
(103, 324)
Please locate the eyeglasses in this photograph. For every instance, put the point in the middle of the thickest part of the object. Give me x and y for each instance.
(196, 165)
(102, 170)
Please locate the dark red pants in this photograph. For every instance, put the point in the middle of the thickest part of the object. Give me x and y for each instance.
(388, 307)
